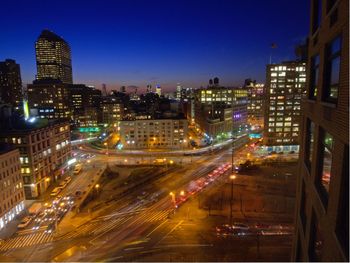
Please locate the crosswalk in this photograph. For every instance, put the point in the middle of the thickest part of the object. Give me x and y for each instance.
(98, 226)
(26, 240)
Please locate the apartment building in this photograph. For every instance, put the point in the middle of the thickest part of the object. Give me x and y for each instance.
(44, 148)
(11, 185)
(154, 133)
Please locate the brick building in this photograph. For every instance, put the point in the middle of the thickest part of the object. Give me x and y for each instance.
(322, 204)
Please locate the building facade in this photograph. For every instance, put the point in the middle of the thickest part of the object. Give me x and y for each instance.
(285, 86)
(53, 58)
(84, 104)
(154, 133)
(219, 111)
(322, 200)
(11, 84)
(49, 99)
(112, 111)
(44, 148)
(255, 107)
(11, 185)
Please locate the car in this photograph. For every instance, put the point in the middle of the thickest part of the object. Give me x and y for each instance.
(56, 200)
(56, 191)
(68, 179)
(39, 217)
(50, 228)
(234, 230)
(78, 193)
(24, 222)
(37, 225)
(77, 169)
(240, 226)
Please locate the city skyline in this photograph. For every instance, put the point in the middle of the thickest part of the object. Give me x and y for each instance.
(174, 131)
(160, 45)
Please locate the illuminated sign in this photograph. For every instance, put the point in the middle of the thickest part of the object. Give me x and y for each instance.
(255, 135)
(89, 129)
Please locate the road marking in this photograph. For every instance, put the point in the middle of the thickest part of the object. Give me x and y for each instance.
(157, 228)
(132, 248)
(170, 231)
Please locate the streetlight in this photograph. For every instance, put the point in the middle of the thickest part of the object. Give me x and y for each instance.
(232, 178)
(106, 144)
(172, 197)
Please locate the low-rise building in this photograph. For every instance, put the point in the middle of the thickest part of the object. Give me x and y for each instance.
(154, 133)
(11, 185)
(44, 147)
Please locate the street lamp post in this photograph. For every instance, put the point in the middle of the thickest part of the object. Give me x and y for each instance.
(232, 178)
(172, 197)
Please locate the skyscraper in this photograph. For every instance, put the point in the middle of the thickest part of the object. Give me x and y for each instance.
(53, 58)
(285, 85)
(11, 83)
(159, 90)
(322, 200)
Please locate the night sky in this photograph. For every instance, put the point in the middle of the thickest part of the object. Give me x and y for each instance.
(158, 42)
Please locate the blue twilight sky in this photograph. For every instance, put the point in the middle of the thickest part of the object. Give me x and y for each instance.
(134, 42)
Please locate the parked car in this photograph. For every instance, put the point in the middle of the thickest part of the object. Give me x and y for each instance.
(25, 222)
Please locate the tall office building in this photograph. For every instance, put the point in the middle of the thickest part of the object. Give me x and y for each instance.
(322, 203)
(11, 83)
(53, 58)
(285, 85)
(159, 90)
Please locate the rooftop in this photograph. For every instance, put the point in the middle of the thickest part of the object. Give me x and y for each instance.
(51, 36)
(5, 148)
(16, 124)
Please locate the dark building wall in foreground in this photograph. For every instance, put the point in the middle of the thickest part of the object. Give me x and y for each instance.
(322, 214)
